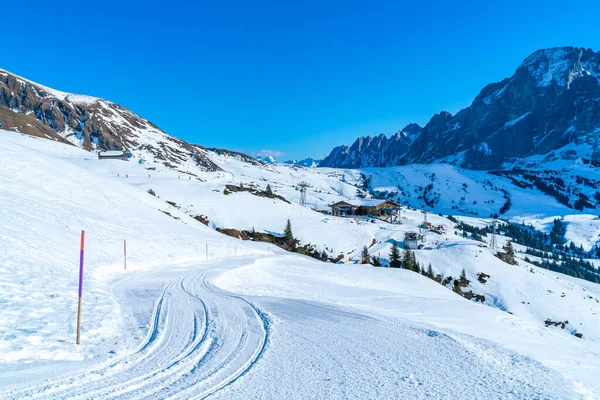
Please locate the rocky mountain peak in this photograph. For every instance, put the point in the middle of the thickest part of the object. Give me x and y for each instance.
(551, 101)
(562, 65)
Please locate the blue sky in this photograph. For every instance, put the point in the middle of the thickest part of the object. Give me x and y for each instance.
(293, 79)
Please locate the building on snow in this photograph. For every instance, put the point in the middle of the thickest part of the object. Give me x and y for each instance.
(413, 240)
(113, 155)
(371, 207)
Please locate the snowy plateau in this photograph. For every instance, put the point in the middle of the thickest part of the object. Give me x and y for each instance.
(199, 314)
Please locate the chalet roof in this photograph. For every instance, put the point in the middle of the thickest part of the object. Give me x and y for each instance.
(112, 153)
(365, 202)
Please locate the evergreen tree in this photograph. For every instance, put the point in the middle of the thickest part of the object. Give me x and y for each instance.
(510, 251)
(376, 262)
(457, 288)
(409, 261)
(289, 236)
(414, 265)
(417, 268)
(395, 261)
(406, 258)
(463, 276)
(269, 191)
(430, 271)
(365, 257)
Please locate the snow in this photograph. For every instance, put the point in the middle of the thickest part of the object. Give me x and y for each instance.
(553, 63)
(485, 149)
(516, 120)
(490, 99)
(248, 320)
(73, 98)
(111, 153)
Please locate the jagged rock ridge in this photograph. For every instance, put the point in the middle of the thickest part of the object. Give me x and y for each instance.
(551, 101)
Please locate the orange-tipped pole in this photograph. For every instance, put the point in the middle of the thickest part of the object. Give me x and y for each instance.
(80, 287)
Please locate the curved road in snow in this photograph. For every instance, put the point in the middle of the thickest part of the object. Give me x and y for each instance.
(204, 342)
(201, 339)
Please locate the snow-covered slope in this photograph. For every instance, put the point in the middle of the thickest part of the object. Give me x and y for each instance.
(90, 123)
(253, 321)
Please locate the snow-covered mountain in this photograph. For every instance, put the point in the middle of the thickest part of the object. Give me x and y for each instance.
(307, 162)
(552, 101)
(197, 313)
(90, 123)
(374, 151)
(267, 159)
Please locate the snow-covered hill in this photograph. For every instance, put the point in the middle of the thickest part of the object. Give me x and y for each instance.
(90, 123)
(253, 320)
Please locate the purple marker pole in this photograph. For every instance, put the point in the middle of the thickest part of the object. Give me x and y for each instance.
(80, 287)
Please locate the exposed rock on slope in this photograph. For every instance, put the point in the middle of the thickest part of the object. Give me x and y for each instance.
(378, 151)
(90, 123)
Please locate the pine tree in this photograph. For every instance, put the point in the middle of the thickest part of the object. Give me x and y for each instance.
(289, 236)
(395, 256)
(376, 262)
(365, 257)
(269, 191)
(510, 251)
(430, 271)
(406, 258)
(409, 261)
(414, 265)
(457, 288)
(463, 276)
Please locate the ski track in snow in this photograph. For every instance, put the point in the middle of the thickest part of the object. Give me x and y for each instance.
(200, 340)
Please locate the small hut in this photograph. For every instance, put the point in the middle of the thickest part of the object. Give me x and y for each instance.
(413, 240)
(113, 155)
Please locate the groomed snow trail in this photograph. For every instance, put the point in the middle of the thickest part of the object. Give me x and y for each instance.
(200, 340)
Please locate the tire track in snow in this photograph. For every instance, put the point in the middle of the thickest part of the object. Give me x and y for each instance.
(200, 341)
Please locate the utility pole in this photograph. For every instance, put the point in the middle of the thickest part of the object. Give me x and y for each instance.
(493, 242)
(303, 186)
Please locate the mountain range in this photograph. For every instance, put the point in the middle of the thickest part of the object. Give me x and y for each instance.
(550, 107)
(538, 128)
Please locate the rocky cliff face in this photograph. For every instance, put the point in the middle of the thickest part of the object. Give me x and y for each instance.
(378, 151)
(90, 123)
(551, 101)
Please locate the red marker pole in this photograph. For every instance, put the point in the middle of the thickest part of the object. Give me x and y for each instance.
(80, 287)
(125, 251)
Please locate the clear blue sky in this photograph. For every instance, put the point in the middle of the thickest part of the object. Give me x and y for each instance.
(296, 78)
